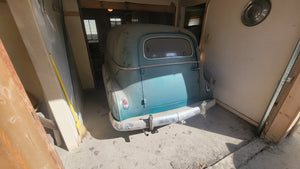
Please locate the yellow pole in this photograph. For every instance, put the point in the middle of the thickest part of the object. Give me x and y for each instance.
(80, 127)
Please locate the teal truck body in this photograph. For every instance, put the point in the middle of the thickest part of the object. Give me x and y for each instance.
(153, 76)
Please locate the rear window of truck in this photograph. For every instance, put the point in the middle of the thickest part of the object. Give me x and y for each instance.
(167, 47)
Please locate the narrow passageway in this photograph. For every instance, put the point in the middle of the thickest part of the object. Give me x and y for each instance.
(199, 141)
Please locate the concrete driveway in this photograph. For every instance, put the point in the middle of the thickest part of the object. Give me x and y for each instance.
(198, 143)
(286, 155)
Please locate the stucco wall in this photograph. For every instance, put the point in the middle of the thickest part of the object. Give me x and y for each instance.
(247, 62)
(18, 54)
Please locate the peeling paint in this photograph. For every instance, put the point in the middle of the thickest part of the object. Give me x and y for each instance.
(13, 119)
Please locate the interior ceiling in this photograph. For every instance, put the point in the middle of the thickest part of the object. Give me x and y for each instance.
(151, 2)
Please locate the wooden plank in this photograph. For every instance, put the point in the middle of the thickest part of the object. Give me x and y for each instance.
(295, 128)
(281, 98)
(287, 114)
(71, 13)
(294, 123)
(23, 141)
(187, 3)
(94, 4)
(47, 123)
(75, 31)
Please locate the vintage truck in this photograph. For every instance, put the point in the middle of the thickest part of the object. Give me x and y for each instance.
(153, 76)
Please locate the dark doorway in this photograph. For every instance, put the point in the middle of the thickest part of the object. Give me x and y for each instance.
(194, 17)
(98, 23)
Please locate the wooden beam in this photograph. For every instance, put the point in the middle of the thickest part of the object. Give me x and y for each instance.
(287, 115)
(94, 4)
(76, 42)
(187, 3)
(295, 127)
(281, 100)
(47, 123)
(23, 141)
(71, 13)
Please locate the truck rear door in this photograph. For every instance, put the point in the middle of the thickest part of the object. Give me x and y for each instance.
(170, 78)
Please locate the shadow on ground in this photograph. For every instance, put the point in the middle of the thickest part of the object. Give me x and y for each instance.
(199, 142)
(284, 155)
(96, 117)
(218, 121)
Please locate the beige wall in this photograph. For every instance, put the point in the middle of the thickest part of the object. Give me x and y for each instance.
(78, 45)
(17, 52)
(40, 26)
(247, 62)
(51, 26)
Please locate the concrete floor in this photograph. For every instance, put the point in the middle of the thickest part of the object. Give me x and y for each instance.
(286, 155)
(201, 141)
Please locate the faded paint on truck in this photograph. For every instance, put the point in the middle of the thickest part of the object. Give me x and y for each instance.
(150, 85)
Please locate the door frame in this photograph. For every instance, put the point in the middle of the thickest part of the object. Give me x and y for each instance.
(285, 112)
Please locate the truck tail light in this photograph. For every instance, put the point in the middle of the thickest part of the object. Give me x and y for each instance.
(125, 103)
(207, 87)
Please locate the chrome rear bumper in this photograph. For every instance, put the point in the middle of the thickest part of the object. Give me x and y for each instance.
(162, 118)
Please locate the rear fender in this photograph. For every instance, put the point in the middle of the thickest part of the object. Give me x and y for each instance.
(114, 94)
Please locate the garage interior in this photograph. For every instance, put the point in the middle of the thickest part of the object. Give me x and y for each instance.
(247, 65)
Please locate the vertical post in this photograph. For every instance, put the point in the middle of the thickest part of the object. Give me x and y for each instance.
(27, 15)
(287, 116)
(75, 31)
(23, 141)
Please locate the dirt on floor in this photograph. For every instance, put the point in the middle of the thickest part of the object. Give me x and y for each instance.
(198, 143)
